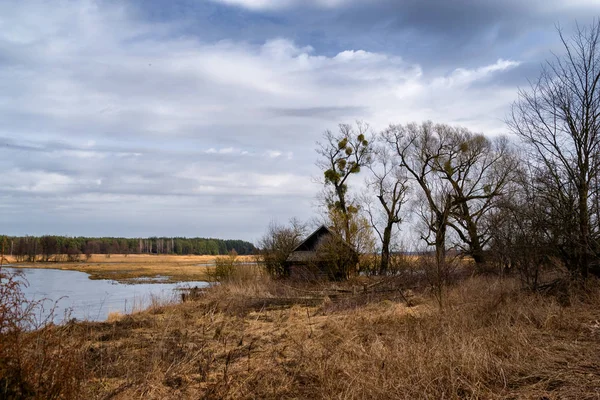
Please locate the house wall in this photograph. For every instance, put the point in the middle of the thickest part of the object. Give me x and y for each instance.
(306, 272)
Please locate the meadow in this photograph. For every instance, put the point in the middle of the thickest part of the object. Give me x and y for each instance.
(370, 337)
(132, 268)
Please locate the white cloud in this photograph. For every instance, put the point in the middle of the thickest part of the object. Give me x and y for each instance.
(462, 76)
(545, 6)
(117, 79)
(36, 182)
(274, 153)
(279, 4)
(177, 113)
(226, 151)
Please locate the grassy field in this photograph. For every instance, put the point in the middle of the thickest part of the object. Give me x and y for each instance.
(252, 337)
(137, 267)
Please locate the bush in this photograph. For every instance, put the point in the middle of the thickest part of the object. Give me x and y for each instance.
(278, 243)
(225, 267)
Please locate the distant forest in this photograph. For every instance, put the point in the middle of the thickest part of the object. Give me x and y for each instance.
(51, 248)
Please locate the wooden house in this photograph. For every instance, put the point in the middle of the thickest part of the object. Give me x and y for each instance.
(322, 255)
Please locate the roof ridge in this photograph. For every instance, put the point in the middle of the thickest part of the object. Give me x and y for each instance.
(312, 234)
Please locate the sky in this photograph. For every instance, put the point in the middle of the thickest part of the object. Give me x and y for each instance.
(200, 118)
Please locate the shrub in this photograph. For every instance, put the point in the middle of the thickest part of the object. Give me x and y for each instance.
(278, 243)
(225, 267)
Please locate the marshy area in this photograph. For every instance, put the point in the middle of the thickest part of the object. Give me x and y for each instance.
(136, 268)
(252, 336)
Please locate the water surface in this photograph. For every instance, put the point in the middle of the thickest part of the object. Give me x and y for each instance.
(77, 296)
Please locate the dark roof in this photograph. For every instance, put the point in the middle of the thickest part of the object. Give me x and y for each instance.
(306, 251)
(313, 240)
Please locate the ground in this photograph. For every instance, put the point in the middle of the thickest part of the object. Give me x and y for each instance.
(369, 338)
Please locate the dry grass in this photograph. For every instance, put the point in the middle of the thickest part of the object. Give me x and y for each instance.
(37, 359)
(8, 259)
(133, 267)
(240, 340)
(252, 337)
(114, 316)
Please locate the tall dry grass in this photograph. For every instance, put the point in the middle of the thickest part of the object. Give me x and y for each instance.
(252, 337)
(38, 360)
(491, 340)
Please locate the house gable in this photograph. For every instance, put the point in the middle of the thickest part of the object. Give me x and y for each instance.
(312, 242)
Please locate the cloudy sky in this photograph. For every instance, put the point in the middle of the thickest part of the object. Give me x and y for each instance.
(200, 117)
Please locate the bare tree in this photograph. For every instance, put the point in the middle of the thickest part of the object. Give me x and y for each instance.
(342, 155)
(390, 183)
(278, 243)
(522, 229)
(478, 170)
(558, 117)
(418, 148)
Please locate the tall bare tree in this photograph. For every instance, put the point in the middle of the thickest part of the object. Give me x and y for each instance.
(419, 146)
(558, 117)
(478, 170)
(390, 183)
(342, 155)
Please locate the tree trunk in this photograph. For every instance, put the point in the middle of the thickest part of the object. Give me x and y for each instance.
(584, 232)
(475, 245)
(340, 192)
(385, 250)
(440, 258)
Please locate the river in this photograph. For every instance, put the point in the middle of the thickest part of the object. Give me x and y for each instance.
(74, 295)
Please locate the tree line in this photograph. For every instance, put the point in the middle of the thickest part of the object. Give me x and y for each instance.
(523, 202)
(64, 248)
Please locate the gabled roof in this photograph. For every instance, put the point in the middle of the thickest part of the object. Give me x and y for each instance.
(311, 242)
(306, 252)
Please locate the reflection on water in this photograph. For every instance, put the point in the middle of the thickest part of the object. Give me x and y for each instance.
(90, 299)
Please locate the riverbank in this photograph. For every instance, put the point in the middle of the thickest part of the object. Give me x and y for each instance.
(136, 268)
(270, 339)
(71, 294)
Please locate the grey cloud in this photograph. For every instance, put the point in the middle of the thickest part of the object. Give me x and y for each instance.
(125, 171)
(514, 77)
(319, 112)
(434, 32)
(122, 126)
(179, 217)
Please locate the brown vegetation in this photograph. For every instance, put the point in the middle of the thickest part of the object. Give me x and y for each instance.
(252, 337)
(132, 267)
(46, 364)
